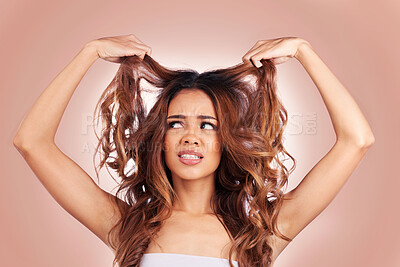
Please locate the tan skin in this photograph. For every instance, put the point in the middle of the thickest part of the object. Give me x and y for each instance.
(79, 195)
(192, 223)
(194, 184)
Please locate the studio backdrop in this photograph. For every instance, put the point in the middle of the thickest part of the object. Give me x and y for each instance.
(358, 40)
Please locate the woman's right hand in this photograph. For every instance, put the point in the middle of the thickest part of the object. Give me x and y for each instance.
(114, 48)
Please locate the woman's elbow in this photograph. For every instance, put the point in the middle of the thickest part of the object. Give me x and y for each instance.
(367, 141)
(361, 141)
(370, 141)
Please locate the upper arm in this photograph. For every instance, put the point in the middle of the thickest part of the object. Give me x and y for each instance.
(73, 189)
(318, 188)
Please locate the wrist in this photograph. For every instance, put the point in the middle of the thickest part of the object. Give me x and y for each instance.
(91, 50)
(302, 47)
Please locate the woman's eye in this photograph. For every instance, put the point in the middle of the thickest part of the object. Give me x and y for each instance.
(210, 125)
(174, 124)
(179, 124)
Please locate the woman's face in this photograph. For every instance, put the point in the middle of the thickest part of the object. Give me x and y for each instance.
(192, 147)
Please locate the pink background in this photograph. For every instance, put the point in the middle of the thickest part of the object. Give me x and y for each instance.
(358, 40)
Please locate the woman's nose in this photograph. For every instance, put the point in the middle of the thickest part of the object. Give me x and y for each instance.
(191, 135)
(190, 139)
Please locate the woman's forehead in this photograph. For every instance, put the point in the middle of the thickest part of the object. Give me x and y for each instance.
(191, 103)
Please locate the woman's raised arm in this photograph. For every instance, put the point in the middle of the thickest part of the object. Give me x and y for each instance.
(65, 180)
(353, 136)
(353, 139)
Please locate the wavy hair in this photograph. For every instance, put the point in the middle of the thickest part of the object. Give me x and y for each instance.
(249, 180)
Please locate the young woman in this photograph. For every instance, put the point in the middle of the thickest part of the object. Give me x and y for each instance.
(205, 187)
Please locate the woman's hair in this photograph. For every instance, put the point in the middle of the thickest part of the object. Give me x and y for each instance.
(249, 180)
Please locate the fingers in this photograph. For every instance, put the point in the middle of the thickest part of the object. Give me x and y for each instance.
(256, 60)
(144, 47)
(134, 38)
(115, 48)
(140, 48)
(254, 56)
(252, 51)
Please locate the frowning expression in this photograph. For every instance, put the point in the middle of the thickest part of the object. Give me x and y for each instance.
(192, 146)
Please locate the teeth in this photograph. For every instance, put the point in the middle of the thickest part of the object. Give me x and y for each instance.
(187, 156)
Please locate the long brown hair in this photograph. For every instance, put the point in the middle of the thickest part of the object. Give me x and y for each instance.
(251, 174)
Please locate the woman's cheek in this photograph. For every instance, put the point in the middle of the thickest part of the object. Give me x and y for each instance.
(168, 145)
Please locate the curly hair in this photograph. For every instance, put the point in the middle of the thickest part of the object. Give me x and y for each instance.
(249, 180)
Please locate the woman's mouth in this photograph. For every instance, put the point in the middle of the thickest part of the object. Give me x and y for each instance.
(189, 159)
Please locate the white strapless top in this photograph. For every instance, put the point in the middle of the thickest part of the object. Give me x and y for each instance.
(182, 260)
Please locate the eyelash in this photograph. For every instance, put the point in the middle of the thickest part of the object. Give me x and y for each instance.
(170, 124)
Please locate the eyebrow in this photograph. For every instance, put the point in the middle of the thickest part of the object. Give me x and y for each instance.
(183, 117)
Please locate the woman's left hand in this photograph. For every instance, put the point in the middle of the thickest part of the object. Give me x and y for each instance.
(278, 50)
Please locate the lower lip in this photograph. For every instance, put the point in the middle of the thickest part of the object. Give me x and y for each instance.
(189, 161)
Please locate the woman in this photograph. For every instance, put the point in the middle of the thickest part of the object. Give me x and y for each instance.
(205, 188)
